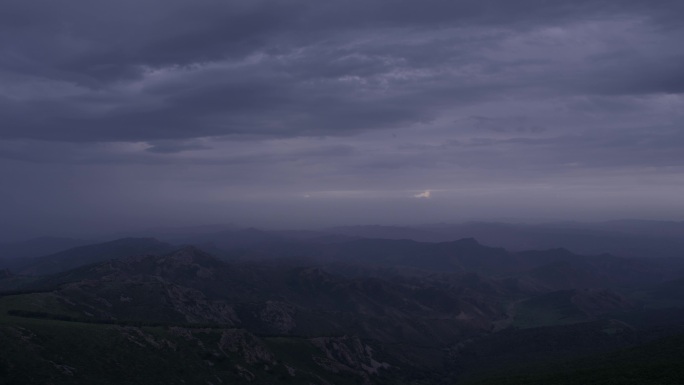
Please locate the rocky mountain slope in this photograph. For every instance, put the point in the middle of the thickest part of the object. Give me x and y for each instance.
(366, 311)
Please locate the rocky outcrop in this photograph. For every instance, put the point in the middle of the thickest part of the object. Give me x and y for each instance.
(278, 316)
(347, 354)
(246, 345)
(196, 308)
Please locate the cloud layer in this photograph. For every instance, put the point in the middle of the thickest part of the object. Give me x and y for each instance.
(211, 103)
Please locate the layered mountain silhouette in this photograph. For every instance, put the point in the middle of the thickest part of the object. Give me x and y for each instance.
(83, 255)
(307, 307)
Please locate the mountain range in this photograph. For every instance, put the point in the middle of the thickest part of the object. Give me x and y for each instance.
(251, 306)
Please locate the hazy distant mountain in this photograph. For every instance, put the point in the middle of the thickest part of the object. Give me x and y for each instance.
(638, 227)
(623, 238)
(627, 238)
(83, 255)
(468, 255)
(391, 232)
(237, 238)
(642, 239)
(175, 234)
(15, 254)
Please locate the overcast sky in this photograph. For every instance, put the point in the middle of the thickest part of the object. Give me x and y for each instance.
(135, 113)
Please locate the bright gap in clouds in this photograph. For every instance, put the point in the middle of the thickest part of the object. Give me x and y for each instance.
(424, 195)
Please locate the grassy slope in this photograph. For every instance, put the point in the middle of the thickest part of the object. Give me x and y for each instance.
(60, 352)
(658, 362)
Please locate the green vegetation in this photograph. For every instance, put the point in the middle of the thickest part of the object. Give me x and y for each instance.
(35, 302)
(655, 363)
(54, 347)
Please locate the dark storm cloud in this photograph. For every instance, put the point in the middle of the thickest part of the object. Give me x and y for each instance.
(211, 100)
(286, 69)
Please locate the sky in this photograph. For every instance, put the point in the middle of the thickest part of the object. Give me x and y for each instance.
(132, 114)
